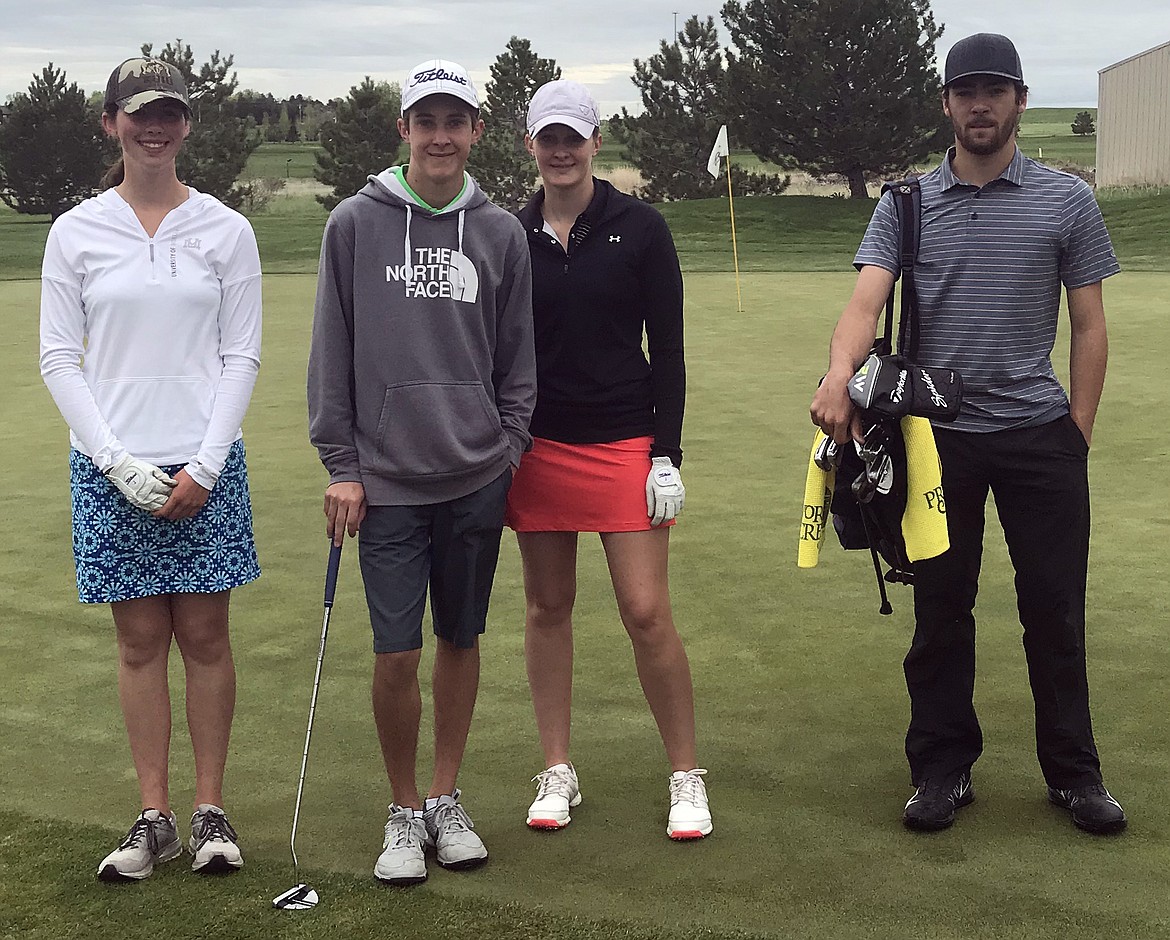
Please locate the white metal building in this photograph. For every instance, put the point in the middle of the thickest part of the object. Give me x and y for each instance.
(1133, 120)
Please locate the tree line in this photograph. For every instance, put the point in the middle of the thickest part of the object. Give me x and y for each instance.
(840, 89)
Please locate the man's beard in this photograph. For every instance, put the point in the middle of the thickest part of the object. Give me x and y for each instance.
(985, 147)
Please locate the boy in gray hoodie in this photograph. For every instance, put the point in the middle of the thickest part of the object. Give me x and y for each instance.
(422, 381)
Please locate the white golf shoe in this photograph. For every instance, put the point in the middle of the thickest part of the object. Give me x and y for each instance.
(556, 792)
(450, 831)
(213, 842)
(152, 839)
(690, 816)
(402, 861)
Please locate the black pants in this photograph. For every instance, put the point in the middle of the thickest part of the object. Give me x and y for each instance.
(1039, 479)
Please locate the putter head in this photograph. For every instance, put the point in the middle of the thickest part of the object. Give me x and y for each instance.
(298, 898)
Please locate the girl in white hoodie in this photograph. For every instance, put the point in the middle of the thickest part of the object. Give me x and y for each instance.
(150, 345)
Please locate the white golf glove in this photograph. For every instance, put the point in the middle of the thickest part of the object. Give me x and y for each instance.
(664, 491)
(144, 484)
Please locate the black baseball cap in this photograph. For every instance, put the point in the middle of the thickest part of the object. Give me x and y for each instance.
(983, 54)
(140, 80)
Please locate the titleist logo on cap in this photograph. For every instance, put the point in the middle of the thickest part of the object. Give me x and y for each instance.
(436, 75)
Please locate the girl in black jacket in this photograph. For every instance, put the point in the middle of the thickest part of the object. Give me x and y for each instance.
(606, 444)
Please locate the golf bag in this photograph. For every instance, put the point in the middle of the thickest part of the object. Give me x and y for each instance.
(870, 493)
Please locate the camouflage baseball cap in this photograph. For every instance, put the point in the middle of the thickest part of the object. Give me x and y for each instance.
(139, 81)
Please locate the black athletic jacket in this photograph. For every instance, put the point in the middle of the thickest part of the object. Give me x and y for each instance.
(590, 305)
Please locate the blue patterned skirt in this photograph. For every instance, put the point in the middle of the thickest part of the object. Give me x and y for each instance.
(123, 552)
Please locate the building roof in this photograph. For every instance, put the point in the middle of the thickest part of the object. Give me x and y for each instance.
(1132, 57)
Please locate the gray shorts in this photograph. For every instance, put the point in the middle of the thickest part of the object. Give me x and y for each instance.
(451, 547)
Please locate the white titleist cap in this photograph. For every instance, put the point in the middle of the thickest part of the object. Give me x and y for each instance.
(437, 77)
(563, 102)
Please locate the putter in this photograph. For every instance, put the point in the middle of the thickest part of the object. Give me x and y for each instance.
(301, 897)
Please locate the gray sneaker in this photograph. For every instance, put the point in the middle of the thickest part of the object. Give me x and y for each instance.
(449, 828)
(402, 861)
(213, 842)
(151, 840)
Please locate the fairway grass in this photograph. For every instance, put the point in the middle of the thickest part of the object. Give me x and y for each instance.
(801, 705)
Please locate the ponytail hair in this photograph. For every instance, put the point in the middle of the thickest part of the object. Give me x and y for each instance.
(116, 174)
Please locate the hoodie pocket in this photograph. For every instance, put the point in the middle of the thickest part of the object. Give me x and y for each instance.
(437, 428)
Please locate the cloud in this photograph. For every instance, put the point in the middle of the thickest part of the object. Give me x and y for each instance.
(323, 49)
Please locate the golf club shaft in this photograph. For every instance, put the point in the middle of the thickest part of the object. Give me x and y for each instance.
(330, 588)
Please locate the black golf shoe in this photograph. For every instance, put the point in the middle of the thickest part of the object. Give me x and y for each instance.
(1092, 808)
(933, 805)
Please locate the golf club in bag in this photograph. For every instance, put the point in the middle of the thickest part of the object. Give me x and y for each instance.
(301, 897)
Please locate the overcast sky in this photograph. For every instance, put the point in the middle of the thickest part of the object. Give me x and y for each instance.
(322, 48)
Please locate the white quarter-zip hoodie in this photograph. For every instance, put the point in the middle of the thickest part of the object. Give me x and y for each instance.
(150, 346)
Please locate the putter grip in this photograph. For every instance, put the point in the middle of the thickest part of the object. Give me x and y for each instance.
(331, 574)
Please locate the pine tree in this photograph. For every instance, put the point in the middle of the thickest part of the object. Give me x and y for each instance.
(837, 87)
(220, 143)
(684, 99)
(50, 147)
(1083, 124)
(499, 161)
(361, 139)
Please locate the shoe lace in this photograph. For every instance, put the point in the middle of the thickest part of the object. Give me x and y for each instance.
(554, 782)
(141, 831)
(452, 817)
(213, 827)
(1093, 789)
(689, 787)
(400, 831)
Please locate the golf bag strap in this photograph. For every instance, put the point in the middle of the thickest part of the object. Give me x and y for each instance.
(907, 195)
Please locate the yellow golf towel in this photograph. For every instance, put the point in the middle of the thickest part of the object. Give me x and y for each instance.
(818, 491)
(924, 523)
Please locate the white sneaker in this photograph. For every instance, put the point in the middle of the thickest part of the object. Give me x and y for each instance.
(213, 841)
(449, 828)
(690, 817)
(402, 861)
(153, 839)
(556, 792)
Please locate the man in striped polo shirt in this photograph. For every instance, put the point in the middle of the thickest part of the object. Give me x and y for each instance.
(1000, 235)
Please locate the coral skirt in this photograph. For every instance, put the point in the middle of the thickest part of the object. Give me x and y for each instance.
(581, 487)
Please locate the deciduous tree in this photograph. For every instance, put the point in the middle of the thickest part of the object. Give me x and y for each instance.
(836, 87)
(50, 147)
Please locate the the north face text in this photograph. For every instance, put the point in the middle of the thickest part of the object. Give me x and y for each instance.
(437, 272)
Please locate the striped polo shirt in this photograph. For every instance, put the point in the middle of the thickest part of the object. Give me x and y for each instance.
(991, 263)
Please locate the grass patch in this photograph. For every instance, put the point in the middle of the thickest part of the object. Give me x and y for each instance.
(283, 161)
(800, 700)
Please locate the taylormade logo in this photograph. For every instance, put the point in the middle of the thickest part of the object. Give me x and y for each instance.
(436, 75)
(935, 397)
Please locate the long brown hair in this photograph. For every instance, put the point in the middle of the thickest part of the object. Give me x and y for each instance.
(116, 174)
